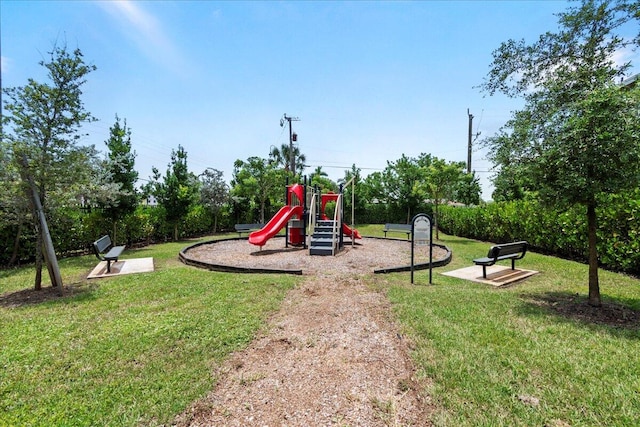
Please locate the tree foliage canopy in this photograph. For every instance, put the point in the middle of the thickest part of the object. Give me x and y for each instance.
(43, 121)
(259, 181)
(577, 136)
(120, 166)
(281, 157)
(178, 190)
(214, 192)
(40, 133)
(408, 182)
(399, 183)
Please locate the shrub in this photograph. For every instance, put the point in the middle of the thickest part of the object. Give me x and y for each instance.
(562, 233)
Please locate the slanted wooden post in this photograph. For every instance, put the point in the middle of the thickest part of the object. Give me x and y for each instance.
(49, 251)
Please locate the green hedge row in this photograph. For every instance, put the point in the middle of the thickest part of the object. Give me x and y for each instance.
(562, 233)
(73, 231)
(380, 213)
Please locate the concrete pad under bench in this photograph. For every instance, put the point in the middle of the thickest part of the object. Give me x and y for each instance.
(497, 275)
(123, 266)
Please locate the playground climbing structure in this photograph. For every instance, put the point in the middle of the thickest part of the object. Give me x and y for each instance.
(327, 234)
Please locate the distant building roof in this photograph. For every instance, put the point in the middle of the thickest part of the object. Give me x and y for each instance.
(630, 82)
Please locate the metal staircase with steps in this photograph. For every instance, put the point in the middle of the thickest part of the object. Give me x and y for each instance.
(323, 241)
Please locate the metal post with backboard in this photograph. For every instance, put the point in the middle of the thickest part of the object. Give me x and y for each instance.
(421, 233)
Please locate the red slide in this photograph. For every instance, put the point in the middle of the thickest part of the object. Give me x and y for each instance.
(348, 231)
(275, 224)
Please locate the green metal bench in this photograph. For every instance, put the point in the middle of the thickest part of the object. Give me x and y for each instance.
(112, 252)
(512, 251)
(400, 228)
(246, 228)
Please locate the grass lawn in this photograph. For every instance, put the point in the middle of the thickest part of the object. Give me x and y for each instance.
(523, 355)
(127, 350)
(138, 349)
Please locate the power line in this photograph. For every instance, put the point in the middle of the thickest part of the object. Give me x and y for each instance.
(344, 167)
(478, 125)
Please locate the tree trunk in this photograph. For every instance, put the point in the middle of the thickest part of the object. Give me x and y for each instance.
(175, 232)
(45, 242)
(594, 285)
(215, 223)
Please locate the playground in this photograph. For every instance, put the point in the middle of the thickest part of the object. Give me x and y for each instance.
(312, 243)
(368, 255)
(331, 354)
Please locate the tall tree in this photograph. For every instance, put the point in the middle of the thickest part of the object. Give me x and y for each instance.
(258, 180)
(355, 172)
(583, 129)
(120, 166)
(280, 157)
(42, 124)
(214, 192)
(468, 189)
(506, 147)
(178, 190)
(318, 172)
(441, 180)
(400, 183)
(321, 179)
(354, 202)
(373, 188)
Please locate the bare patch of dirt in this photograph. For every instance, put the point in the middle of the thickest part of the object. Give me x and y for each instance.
(46, 294)
(332, 354)
(576, 307)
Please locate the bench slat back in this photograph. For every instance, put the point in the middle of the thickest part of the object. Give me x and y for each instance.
(102, 243)
(507, 249)
(398, 227)
(248, 226)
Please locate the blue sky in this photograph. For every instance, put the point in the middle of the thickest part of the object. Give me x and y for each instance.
(369, 81)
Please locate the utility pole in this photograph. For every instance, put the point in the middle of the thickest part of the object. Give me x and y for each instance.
(470, 142)
(292, 137)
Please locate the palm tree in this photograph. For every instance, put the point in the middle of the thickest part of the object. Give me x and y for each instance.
(321, 179)
(281, 158)
(318, 172)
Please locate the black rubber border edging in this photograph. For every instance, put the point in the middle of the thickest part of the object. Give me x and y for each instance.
(232, 269)
(228, 268)
(421, 266)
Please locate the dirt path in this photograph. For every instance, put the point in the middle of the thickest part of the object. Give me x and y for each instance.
(331, 355)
